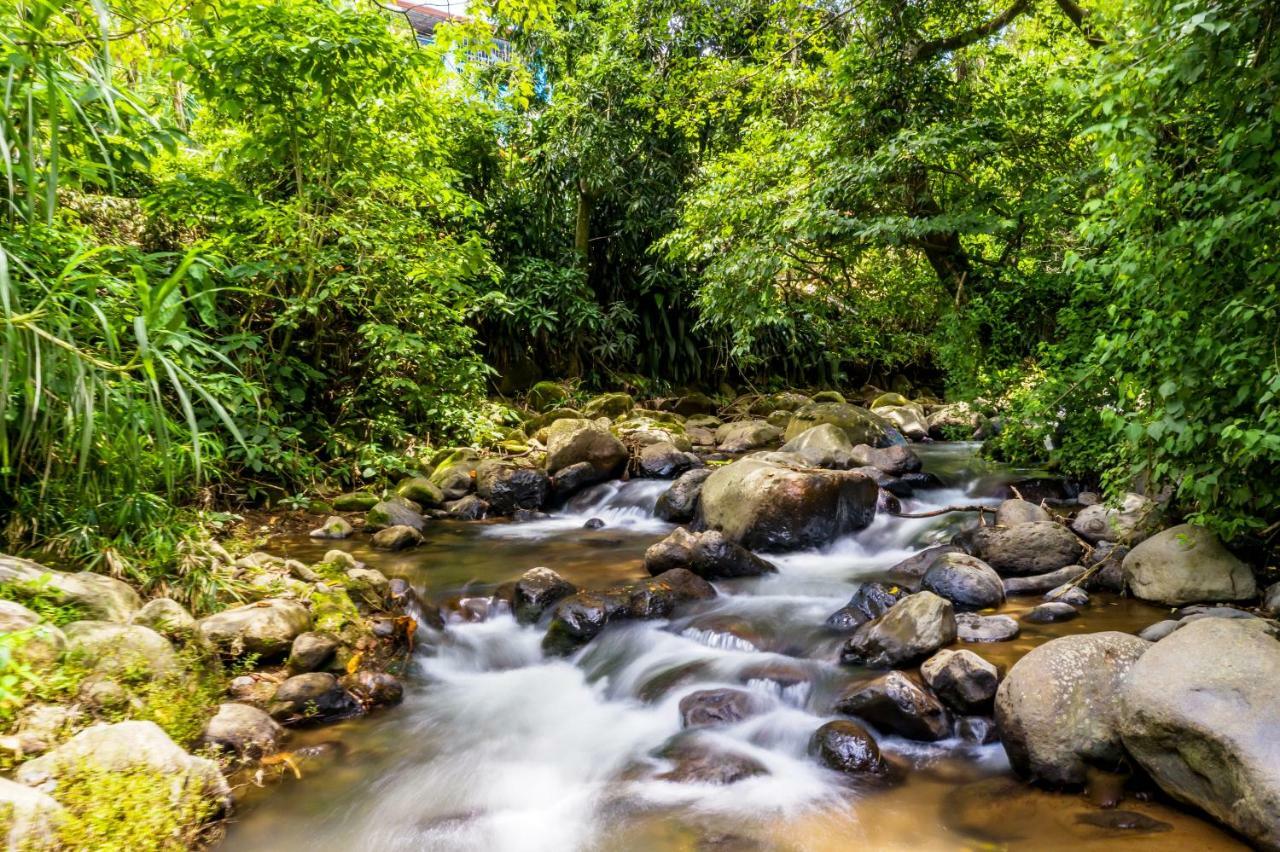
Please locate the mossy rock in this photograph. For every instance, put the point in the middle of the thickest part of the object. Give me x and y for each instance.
(545, 395)
(355, 501)
(861, 425)
(333, 612)
(785, 401)
(321, 507)
(889, 399)
(611, 405)
(515, 448)
(829, 396)
(420, 490)
(660, 416)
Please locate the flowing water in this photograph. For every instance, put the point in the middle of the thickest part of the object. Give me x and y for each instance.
(498, 748)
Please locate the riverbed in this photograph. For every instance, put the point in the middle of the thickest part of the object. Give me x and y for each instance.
(498, 748)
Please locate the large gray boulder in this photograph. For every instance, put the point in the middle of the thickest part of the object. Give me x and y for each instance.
(166, 617)
(897, 460)
(1012, 512)
(914, 627)
(1027, 548)
(769, 506)
(115, 650)
(679, 503)
(825, 445)
(29, 819)
(243, 730)
(746, 435)
(508, 485)
(894, 702)
(1135, 520)
(965, 580)
(964, 681)
(662, 460)
(579, 618)
(1198, 711)
(858, 424)
(1187, 564)
(128, 747)
(708, 554)
(96, 595)
(396, 512)
(572, 441)
(1058, 707)
(266, 628)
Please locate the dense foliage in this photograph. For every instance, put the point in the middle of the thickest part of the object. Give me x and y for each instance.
(260, 248)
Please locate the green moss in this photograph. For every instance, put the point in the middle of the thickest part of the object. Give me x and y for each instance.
(130, 811)
(333, 611)
(181, 704)
(46, 602)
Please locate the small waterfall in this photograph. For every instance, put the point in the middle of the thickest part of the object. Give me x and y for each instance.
(623, 506)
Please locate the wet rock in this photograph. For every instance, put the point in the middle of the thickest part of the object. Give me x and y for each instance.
(1068, 594)
(871, 600)
(266, 628)
(396, 512)
(894, 702)
(1037, 583)
(311, 652)
(822, 446)
(679, 503)
(166, 617)
(129, 747)
(887, 503)
(847, 747)
(334, 526)
(1058, 707)
(1127, 821)
(397, 538)
(594, 524)
(767, 506)
(1028, 548)
(979, 730)
(910, 571)
(1136, 519)
(968, 582)
(574, 442)
(1051, 613)
(746, 435)
(964, 681)
(114, 650)
(708, 554)
(921, 480)
(1198, 713)
(716, 707)
(469, 508)
(971, 627)
(243, 730)
(537, 590)
(580, 617)
(1159, 630)
(373, 689)
(31, 818)
(421, 490)
(915, 627)
(1015, 511)
(524, 516)
(570, 480)
(697, 763)
(895, 461)
(858, 424)
(96, 595)
(1187, 564)
(456, 479)
(311, 698)
(663, 461)
(508, 486)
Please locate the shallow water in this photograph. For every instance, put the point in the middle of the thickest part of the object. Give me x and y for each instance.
(498, 748)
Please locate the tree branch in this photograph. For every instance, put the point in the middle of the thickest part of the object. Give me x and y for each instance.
(922, 51)
(1079, 16)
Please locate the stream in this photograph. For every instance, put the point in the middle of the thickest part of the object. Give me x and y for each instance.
(498, 748)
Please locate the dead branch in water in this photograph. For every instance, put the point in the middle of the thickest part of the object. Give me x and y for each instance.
(935, 512)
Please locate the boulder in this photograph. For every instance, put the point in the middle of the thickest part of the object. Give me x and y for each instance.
(694, 404)
(41, 644)
(396, 512)
(96, 595)
(767, 506)
(29, 819)
(971, 627)
(964, 681)
(979, 730)
(355, 501)
(1271, 600)
(663, 461)
(828, 396)
(847, 747)
(968, 582)
(580, 617)
(716, 707)
(859, 425)
(1058, 708)
(243, 730)
(469, 508)
(456, 479)
(1037, 583)
(129, 747)
(545, 395)
(334, 527)
(537, 590)
(311, 651)
(1187, 564)
(784, 401)
(708, 554)
(679, 503)
(1159, 630)
(910, 571)
(166, 617)
(266, 628)
(421, 490)
(115, 650)
(915, 627)
(1027, 548)
(957, 421)
(825, 445)
(398, 537)
(611, 405)
(1051, 613)
(572, 442)
(508, 486)
(311, 698)
(1013, 512)
(1198, 712)
(572, 479)
(895, 461)
(746, 435)
(894, 702)
(909, 419)
(1068, 594)
(373, 689)
(871, 600)
(1135, 520)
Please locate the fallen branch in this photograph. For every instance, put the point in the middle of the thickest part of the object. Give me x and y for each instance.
(935, 512)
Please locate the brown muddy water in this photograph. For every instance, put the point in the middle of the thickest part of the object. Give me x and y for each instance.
(498, 748)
